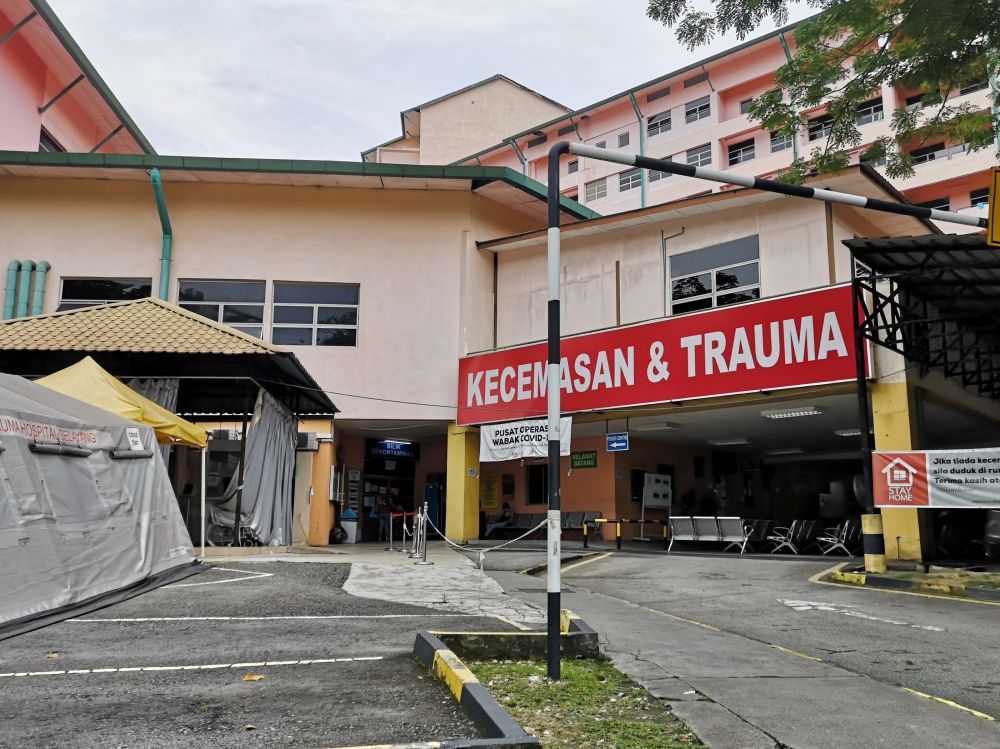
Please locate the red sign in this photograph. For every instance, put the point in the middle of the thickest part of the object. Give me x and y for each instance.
(900, 479)
(790, 341)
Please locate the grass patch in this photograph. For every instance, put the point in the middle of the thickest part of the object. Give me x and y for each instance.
(989, 580)
(593, 705)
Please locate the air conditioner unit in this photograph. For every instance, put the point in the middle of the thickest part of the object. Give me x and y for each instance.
(225, 434)
(307, 441)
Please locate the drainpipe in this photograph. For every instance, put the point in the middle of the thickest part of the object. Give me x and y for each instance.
(642, 149)
(24, 287)
(993, 61)
(168, 232)
(38, 297)
(788, 56)
(520, 157)
(10, 293)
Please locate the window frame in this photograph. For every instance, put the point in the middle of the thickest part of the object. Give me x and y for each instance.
(630, 179)
(623, 139)
(936, 204)
(572, 166)
(315, 326)
(592, 186)
(870, 111)
(785, 141)
(748, 103)
(659, 123)
(713, 294)
(221, 305)
(699, 109)
(82, 303)
(819, 127)
(698, 151)
(741, 150)
(974, 203)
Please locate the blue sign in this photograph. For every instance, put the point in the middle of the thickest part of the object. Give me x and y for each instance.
(617, 442)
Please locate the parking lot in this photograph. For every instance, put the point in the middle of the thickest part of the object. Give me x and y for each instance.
(244, 654)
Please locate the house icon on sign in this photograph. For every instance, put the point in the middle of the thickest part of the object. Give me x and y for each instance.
(899, 474)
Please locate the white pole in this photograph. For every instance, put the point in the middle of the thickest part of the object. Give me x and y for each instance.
(204, 463)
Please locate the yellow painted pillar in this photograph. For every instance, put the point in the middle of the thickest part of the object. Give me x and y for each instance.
(462, 489)
(895, 420)
(321, 510)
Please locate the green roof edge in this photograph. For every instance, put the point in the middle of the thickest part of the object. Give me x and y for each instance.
(291, 166)
(70, 45)
(660, 79)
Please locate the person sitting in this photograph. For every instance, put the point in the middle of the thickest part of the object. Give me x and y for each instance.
(505, 518)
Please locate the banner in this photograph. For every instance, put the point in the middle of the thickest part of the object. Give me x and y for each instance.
(791, 341)
(937, 478)
(521, 439)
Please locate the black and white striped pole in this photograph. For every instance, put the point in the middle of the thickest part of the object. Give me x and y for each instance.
(553, 369)
(553, 378)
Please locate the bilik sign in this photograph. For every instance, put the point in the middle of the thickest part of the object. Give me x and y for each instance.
(791, 341)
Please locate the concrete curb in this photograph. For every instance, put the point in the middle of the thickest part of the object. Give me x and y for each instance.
(913, 586)
(474, 698)
(540, 568)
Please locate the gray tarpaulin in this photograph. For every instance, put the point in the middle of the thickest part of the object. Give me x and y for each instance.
(86, 508)
(163, 392)
(267, 481)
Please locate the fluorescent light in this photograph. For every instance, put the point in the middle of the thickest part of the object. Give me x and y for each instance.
(786, 451)
(730, 441)
(655, 427)
(848, 432)
(790, 413)
(396, 442)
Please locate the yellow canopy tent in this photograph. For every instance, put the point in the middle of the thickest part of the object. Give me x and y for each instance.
(89, 382)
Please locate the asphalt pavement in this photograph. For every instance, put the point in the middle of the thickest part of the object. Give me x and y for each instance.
(754, 654)
(336, 669)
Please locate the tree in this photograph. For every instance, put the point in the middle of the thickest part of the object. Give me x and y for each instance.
(847, 51)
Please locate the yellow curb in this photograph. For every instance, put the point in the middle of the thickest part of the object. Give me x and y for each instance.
(949, 703)
(453, 672)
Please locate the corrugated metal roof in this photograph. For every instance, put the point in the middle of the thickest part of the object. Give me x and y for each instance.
(143, 325)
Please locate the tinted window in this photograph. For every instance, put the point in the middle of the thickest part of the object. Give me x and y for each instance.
(716, 256)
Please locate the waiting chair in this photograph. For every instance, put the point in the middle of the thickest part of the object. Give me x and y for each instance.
(733, 531)
(681, 529)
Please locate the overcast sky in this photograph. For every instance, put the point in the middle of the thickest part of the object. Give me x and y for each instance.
(326, 79)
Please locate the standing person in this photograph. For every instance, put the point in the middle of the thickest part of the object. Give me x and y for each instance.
(384, 518)
(502, 521)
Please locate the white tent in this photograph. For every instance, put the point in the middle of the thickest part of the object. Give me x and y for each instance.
(87, 513)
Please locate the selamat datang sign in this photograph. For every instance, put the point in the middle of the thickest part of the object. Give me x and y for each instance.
(782, 342)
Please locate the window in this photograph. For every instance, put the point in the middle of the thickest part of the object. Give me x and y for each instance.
(537, 141)
(236, 303)
(88, 292)
(658, 123)
(915, 102)
(695, 80)
(780, 141)
(880, 161)
(629, 179)
(622, 140)
(601, 144)
(567, 130)
(741, 152)
(715, 276)
(698, 109)
(595, 190)
(700, 156)
(977, 86)
(538, 485)
(928, 153)
(48, 144)
(870, 111)
(655, 176)
(745, 105)
(658, 94)
(820, 127)
(573, 167)
(938, 204)
(315, 314)
(980, 198)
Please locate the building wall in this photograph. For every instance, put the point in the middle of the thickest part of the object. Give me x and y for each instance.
(472, 120)
(413, 253)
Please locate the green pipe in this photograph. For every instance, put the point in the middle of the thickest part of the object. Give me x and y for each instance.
(788, 56)
(168, 233)
(24, 287)
(10, 293)
(38, 297)
(642, 150)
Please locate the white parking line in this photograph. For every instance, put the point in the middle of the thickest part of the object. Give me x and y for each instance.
(198, 667)
(274, 618)
(248, 576)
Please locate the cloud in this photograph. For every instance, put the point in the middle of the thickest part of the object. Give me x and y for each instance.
(327, 78)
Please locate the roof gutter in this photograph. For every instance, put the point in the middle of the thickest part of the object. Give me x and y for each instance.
(642, 148)
(166, 253)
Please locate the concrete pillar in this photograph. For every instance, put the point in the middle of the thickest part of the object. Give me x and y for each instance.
(321, 510)
(896, 421)
(462, 489)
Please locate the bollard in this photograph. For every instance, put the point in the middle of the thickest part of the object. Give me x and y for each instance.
(402, 546)
(389, 547)
(585, 535)
(423, 540)
(665, 542)
(618, 534)
(415, 538)
(873, 543)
